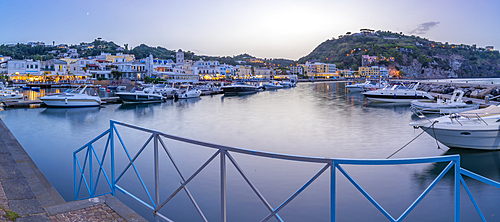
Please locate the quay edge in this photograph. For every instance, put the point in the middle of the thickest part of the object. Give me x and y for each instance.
(26, 191)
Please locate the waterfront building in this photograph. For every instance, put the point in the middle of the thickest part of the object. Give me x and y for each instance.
(23, 70)
(373, 71)
(170, 71)
(135, 70)
(320, 70)
(263, 72)
(243, 72)
(347, 73)
(298, 70)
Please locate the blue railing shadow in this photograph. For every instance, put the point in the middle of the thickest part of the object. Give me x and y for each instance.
(154, 203)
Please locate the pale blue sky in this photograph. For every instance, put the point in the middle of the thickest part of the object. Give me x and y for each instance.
(263, 28)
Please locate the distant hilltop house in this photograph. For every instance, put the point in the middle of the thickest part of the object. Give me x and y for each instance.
(367, 60)
(489, 48)
(33, 44)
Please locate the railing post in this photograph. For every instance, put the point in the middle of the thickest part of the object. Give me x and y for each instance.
(457, 190)
(223, 185)
(89, 153)
(333, 167)
(112, 150)
(74, 175)
(157, 172)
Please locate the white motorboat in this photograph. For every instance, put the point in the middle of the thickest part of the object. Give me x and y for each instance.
(8, 93)
(442, 106)
(288, 83)
(474, 129)
(147, 95)
(239, 88)
(358, 87)
(398, 94)
(164, 89)
(121, 88)
(187, 92)
(272, 85)
(72, 98)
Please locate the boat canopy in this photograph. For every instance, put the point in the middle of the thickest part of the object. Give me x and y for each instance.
(488, 111)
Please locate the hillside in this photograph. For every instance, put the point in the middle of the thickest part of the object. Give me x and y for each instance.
(415, 57)
(94, 48)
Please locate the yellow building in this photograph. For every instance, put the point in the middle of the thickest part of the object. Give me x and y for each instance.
(373, 71)
(243, 72)
(324, 70)
(119, 57)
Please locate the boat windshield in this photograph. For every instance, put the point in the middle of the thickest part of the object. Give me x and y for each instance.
(399, 87)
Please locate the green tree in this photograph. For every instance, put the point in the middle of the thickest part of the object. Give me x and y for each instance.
(116, 74)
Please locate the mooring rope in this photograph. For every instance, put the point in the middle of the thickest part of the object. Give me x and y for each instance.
(423, 131)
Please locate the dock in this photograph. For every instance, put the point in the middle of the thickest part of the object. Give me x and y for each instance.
(23, 104)
(27, 195)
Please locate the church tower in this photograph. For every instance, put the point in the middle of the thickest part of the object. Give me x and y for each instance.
(179, 59)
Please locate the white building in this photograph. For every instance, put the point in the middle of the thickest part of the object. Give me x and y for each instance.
(23, 67)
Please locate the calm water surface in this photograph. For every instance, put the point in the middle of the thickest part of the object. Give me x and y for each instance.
(313, 119)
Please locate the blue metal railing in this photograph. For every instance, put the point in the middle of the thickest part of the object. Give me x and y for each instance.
(224, 152)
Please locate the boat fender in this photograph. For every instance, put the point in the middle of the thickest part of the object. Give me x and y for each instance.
(415, 95)
(394, 95)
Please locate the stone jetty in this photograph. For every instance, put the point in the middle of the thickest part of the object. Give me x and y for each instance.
(27, 195)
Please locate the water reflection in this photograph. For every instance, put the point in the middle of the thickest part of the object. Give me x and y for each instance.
(187, 102)
(74, 115)
(139, 109)
(485, 163)
(238, 97)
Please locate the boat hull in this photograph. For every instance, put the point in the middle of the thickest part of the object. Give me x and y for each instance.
(239, 90)
(481, 139)
(139, 98)
(396, 98)
(426, 107)
(63, 102)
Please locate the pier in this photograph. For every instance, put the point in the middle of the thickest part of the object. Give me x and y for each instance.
(27, 195)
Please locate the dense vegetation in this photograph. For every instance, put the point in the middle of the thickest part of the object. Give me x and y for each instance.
(411, 52)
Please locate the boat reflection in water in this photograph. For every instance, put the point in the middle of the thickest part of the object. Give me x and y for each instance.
(81, 115)
(139, 109)
(187, 102)
(484, 163)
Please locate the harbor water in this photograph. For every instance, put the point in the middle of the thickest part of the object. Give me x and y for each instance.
(312, 119)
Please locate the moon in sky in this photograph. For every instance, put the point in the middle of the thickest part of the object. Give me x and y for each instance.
(87, 13)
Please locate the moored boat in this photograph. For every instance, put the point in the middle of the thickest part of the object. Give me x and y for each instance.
(272, 85)
(187, 92)
(9, 94)
(474, 129)
(453, 105)
(398, 94)
(147, 95)
(72, 98)
(239, 88)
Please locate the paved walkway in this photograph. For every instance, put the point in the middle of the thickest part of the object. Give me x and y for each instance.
(26, 194)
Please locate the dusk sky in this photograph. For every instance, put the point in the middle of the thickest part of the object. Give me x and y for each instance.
(263, 28)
